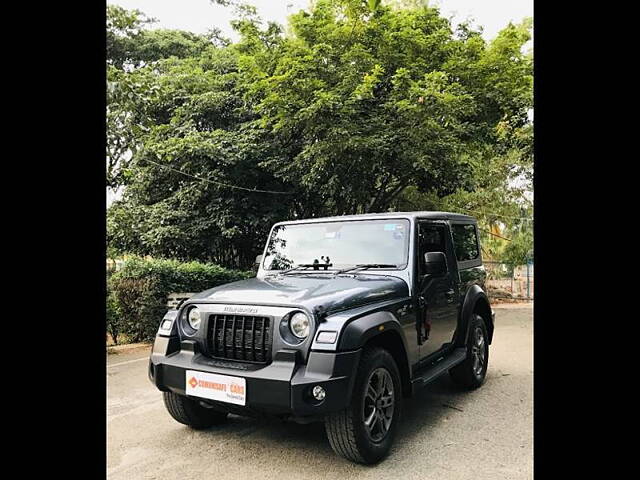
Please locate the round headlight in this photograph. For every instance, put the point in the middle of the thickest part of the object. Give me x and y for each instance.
(193, 318)
(299, 325)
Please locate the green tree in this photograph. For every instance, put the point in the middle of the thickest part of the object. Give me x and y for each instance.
(130, 47)
(202, 136)
(365, 105)
(359, 107)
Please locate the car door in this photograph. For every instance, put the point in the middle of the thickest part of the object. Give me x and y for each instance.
(438, 295)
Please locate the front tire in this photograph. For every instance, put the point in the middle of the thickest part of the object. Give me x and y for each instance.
(471, 373)
(364, 431)
(189, 412)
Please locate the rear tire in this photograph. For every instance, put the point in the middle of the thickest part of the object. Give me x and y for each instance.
(189, 412)
(364, 431)
(471, 373)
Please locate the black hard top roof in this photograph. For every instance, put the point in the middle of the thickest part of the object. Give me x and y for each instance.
(374, 216)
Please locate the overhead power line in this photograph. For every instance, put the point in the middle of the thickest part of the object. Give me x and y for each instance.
(495, 234)
(275, 192)
(254, 190)
(490, 214)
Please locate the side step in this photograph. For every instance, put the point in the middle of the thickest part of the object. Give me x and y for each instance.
(433, 371)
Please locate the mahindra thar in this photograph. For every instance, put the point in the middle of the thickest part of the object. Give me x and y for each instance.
(345, 318)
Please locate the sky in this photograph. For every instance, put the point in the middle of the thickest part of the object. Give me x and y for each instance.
(198, 16)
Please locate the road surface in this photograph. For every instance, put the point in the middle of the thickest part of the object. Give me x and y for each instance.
(446, 434)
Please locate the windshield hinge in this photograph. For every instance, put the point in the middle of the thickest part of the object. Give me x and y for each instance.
(320, 312)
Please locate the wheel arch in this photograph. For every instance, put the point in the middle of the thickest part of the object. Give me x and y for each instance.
(380, 329)
(483, 309)
(475, 301)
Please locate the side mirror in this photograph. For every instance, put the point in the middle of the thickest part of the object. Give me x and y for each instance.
(258, 260)
(435, 263)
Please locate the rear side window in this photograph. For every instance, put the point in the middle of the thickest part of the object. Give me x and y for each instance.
(465, 241)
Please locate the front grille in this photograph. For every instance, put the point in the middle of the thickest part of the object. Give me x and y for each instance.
(239, 337)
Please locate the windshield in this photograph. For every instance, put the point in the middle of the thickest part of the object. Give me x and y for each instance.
(339, 244)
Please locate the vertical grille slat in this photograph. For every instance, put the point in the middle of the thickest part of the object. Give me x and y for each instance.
(233, 337)
(213, 342)
(264, 338)
(253, 338)
(224, 336)
(239, 337)
(243, 355)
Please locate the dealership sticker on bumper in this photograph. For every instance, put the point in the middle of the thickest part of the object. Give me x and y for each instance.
(216, 387)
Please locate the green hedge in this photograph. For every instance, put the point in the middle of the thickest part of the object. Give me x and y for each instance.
(113, 314)
(138, 292)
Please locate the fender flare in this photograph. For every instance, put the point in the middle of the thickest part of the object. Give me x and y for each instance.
(358, 332)
(475, 299)
(382, 325)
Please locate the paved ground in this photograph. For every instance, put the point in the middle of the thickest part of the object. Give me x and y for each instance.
(446, 434)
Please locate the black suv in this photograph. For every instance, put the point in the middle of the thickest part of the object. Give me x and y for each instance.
(346, 316)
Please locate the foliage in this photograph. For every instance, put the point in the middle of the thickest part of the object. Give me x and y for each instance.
(130, 45)
(209, 134)
(113, 315)
(363, 106)
(129, 93)
(123, 28)
(141, 287)
(519, 250)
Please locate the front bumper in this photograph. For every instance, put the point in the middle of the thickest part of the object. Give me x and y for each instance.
(282, 388)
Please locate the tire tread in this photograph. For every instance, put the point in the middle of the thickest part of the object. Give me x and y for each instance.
(184, 410)
(462, 374)
(340, 426)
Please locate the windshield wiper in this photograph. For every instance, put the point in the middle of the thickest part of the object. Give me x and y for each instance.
(364, 266)
(317, 266)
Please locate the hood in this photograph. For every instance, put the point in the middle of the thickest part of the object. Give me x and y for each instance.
(310, 291)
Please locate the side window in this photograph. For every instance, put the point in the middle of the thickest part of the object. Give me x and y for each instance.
(465, 241)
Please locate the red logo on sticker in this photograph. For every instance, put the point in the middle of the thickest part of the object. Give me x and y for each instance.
(193, 382)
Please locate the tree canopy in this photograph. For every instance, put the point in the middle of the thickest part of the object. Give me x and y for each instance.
(359, 106)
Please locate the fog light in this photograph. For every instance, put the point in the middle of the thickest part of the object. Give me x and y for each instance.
(319, 393)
